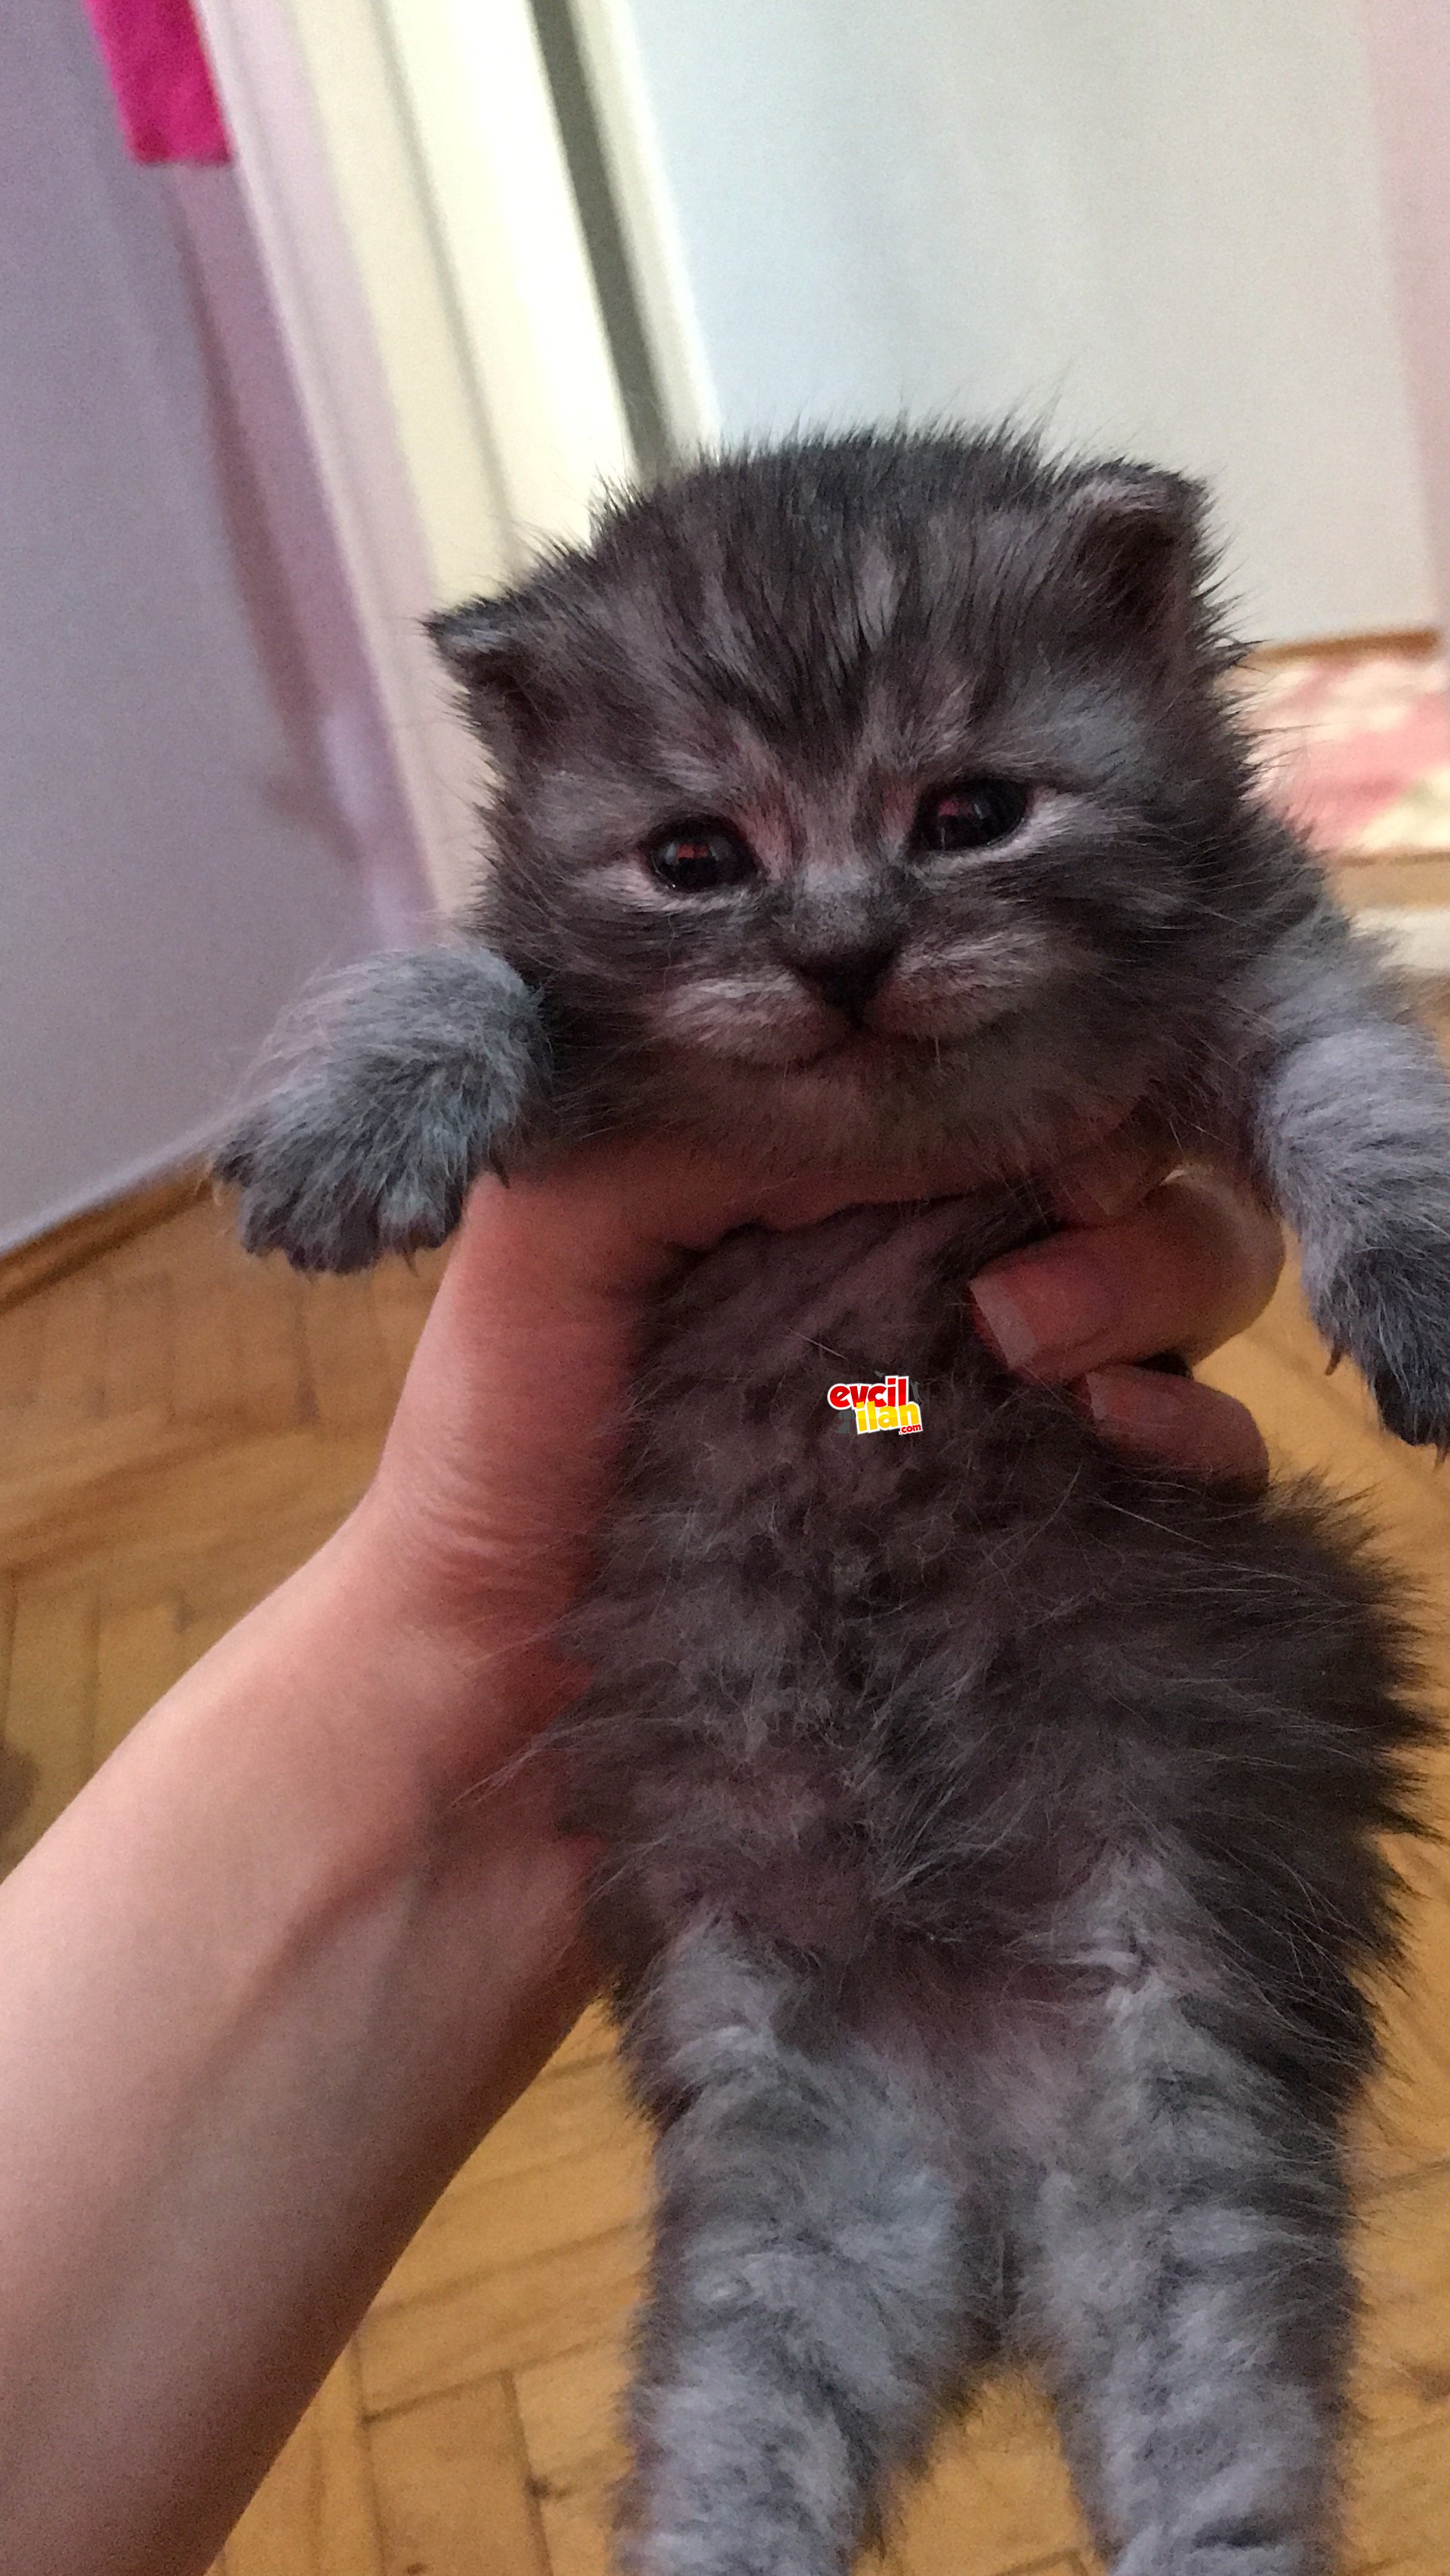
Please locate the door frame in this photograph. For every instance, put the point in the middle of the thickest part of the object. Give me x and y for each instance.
(414, 213)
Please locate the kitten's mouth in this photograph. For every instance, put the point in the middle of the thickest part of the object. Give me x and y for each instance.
(857, 1053)
(876, 1046)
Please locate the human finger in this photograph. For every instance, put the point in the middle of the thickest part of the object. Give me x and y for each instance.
(1115, 1174)
(1176, 1422)
(1183, 1271)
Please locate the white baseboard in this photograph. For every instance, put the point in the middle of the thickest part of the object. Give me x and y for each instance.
(112, 1185)
(1417, 935)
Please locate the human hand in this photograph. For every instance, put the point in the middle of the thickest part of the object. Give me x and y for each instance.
(1150, 1260)
(474, 1536)
(503, 1445)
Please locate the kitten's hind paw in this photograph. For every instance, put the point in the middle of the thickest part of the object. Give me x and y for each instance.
(1388, 1309)
(402, 1080)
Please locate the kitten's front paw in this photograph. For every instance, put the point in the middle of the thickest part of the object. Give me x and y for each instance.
(1388, 1309)
(319, 1184)
(406, 1077)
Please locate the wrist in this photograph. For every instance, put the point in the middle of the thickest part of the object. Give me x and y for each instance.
(408, 1674)
(399, 1745)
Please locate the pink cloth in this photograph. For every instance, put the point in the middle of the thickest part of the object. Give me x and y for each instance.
(1357, 748)
(162, 80)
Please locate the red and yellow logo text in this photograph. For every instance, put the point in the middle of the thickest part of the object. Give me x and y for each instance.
(887, 1406)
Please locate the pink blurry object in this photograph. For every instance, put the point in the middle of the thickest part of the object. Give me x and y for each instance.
(162, 80)
(1356, 748)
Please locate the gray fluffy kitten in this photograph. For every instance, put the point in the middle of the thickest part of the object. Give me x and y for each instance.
(992, 1866)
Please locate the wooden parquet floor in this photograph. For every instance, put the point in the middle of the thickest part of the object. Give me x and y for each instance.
(177, 1429)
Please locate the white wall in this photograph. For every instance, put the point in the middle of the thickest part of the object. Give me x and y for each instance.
(1410, 46)
(1153, 223)
(195, 808)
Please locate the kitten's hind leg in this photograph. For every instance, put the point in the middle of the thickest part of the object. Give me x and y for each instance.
(1184, 2274)
(398, 1084)
(812, 2299)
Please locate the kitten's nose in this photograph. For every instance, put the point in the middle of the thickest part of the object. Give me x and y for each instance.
(847, 977)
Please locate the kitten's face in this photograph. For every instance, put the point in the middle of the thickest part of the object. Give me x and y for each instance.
(841, 817)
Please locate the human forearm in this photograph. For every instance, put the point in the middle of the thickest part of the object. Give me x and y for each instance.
(261, 1993)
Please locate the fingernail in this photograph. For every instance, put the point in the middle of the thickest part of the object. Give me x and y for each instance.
(1135, 1402)
(1005, 1325)
(1043, 1307)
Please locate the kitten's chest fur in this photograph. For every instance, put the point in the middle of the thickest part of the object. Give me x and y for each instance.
(813, 1709)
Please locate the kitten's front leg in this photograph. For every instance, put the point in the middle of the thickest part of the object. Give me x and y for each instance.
(1350, 1125)
(811, 2299)
(402, 1081)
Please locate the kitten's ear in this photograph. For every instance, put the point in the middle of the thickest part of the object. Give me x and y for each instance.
(479, 636)
(1134, 535)
(482, 644)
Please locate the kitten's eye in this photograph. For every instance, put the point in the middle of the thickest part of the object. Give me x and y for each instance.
(970, 815)
(700, 858)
